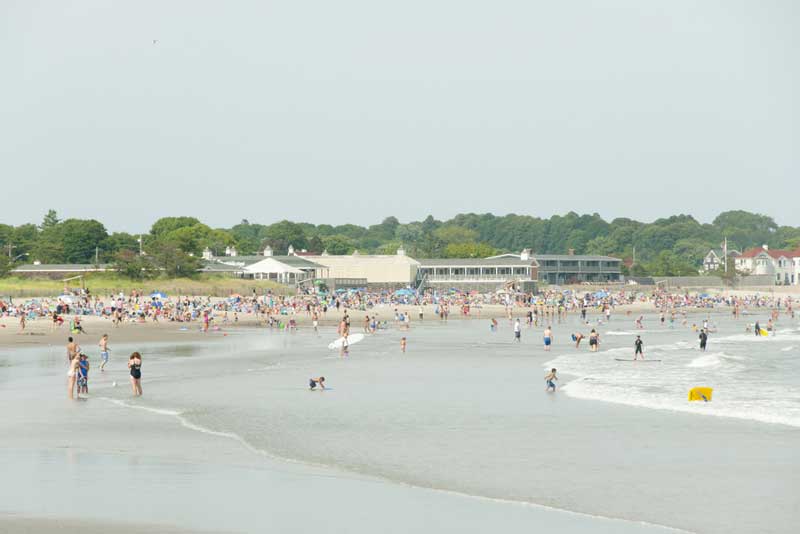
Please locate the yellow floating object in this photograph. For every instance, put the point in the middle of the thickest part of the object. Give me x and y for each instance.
(700, 394)
(764, 332)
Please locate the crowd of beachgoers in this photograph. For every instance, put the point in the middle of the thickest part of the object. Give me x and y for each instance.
(142, 307)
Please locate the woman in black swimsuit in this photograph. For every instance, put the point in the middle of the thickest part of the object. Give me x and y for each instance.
(135, 365)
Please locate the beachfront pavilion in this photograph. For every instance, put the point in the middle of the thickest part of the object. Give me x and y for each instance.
(281, 269)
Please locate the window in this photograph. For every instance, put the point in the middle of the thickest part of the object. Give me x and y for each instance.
(593, 264)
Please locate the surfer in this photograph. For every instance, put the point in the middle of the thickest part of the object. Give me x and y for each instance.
(703, 339)
(638, 344)
(550, 379)
(314, 382)
(758, 329)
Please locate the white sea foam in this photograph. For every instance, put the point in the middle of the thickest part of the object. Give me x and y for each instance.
(707, 360)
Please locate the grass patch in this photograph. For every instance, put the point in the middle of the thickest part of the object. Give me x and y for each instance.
(107, 283)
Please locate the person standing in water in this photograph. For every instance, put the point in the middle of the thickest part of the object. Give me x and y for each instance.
(72, 377)
(639, 346)
(577, 337)
(135, 366)
(594, 340)
(703, 340)
(548, 338)
(403, 344)
(103, 351)
(550, 379)
(517, 331)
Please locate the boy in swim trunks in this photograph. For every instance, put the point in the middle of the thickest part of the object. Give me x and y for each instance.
(638, 344)
(551, 380)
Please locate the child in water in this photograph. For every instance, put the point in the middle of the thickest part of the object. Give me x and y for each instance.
(403, 344)
(551, 380)
(314, 382)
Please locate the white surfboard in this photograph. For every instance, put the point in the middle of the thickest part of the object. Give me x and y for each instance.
(351, 340)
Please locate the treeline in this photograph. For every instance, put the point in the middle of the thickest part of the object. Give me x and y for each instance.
(672, 246)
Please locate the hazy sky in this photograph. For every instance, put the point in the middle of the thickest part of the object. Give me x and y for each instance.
(350, 111)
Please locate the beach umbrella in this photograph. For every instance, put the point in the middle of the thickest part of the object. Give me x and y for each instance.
(66, 299)
(158, 295)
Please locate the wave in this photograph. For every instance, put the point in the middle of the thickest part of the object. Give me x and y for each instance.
(341, 473)
(707, 360)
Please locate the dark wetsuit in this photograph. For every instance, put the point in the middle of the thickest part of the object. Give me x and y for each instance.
(638, 346)
(703, 340)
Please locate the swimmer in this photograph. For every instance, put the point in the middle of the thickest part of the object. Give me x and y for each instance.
(577, 338)
(594, 340)
(638, 344)
(103, 351)
(548, 338)
(403, 344)
(550, 379)
(314, 382)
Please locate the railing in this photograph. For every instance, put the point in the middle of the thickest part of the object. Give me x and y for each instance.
(472, 277)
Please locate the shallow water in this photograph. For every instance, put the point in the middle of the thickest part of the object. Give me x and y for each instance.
(464, 410)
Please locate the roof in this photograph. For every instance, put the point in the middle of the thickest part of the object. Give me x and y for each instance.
(216, 267)
(512, 260)
(62, 267)
(773, 253)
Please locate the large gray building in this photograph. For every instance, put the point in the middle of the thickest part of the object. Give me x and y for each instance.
(519, 269)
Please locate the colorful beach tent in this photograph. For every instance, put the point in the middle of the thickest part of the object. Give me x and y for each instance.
(700, 394)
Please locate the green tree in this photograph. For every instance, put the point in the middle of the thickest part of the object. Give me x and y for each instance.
(172, 261)
(338, 244)
(282, 234)
(50, 220)
(80, 239)
(132, 265)
(170, 224)
(5, 265)
(469, 250)
(667, 263)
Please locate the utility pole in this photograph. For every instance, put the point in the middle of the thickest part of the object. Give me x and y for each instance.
(10, 247)
(96, 255)
(633, 261)
(725, 254)
(141, 252)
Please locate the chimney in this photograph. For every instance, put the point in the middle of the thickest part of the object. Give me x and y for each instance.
(207, 255)
(401, 251)
(525, 255)
(765, 246)
(290, 252)
(233, 252)
(571, 252)
(325, 252)
(268, 251)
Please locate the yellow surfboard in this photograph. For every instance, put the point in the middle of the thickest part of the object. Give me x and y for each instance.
(700, 394)
(764, 332)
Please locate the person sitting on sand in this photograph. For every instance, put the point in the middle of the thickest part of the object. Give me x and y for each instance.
(314, 382)
(550, 379)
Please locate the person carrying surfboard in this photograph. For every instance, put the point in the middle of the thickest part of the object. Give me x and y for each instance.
(639, 345)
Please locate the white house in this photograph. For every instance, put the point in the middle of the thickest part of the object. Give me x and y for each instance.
(784, 265)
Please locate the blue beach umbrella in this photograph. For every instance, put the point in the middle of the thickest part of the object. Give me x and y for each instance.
(158, 295)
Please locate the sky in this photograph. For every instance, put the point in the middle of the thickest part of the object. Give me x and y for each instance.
(351, 111)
